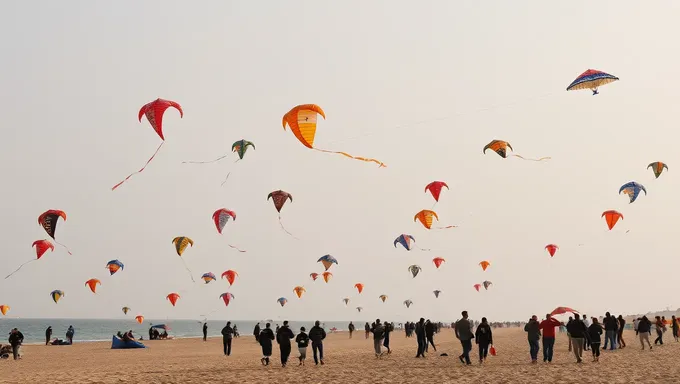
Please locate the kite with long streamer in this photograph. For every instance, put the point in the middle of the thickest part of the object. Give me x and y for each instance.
(181, 243)
(221, 217)
(41, 246)
(279, 198)
(48, 220)
(501, 146)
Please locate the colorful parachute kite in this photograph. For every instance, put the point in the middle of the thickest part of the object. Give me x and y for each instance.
(408, 303)
(346, 300)
(4, 309)
(359, 309)
(48, 220)
(154, 114)
(227, 298)
(241, 147)
(487, 284)
(92, 283)
(383, 298)
(485, 264)
(425, 217)
(114, 265)
(501, 146)
(657, 167)
(208, 277)
(612, 217)
(591, 79)
(314, 276)
(126, 310)
(140, 319)
(415, 270)
(173, 297)
(279, 198)
(57, 295)
(552, 248)
(477, 286)
(181, 244)
(41, 246)
(435, 189)
(632, 189)
(220, 218)
(438, 261)
(327, 261)
(405, 241)
(302, 122)
(436, 293)
(327, 276)
(281, 300)
(231, 276)
(359, 287)
(299, 290)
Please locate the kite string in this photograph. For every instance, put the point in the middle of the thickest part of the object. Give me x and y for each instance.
(236, 248)
(17, 270)
(227, 178)
(140, 171)
(206, 162)
(285, 230)
(191, 274)
(525, 158)
(65, 247)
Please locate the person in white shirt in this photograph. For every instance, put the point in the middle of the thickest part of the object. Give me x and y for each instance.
(586, 321)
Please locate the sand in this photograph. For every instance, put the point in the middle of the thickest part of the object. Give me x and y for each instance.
(347, 361)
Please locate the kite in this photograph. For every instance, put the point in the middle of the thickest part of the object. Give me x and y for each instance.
(383, 298)
(487, 284)
(181, 244)
(279, 198)
(48, 220)
(562, 310)
(314, 276)
(327, 261)
(415, 270)
(57, 295)
(552, 248)
(154, 114)
(140, 319)
(114, 265)
(226, 297)
(299, 291)
(173, 297)
(591, 79)
(359, 287)
(220, 218)
(41, 246)
(346, 300)
(92, 283)
(240, 147)
(501, 146)
(425, 217)
(436, 293)
(612, 217)
(4, 309)
(408, 303)
(327, 276)
(208, 277)
(405, 241)
(485, 264)
(658, 168)
(435, 189)
(359, 309)
(231, 276)
(302, 122)
(632, 189)
(281, 300)
(477, 286)
(125, 310)
(438, 261)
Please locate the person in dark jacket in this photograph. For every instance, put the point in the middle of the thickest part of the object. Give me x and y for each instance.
(302, 341)
(70, 332)
(205, 331)
(378, 335)
(660, 329)
(421, 337)
(283, 337)
(389, 328)
(265, 339)
(595, 335)
(533, 330)
(367, 328)
(644, 329)
(227, 336)
(317, 335)
(483, 338)
(463, 331)
(256, 332)
(429, 334)
(622, 324)
(577, 330)
(15, 340)
(350, 328)
(610, 330)
(48, 335)
(675, 328)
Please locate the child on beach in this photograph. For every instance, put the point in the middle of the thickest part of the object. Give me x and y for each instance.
(302, 341)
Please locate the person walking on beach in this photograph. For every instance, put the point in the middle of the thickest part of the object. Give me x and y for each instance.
(70, 332)
(367, 328)
(675, 328)
(16, 338)
(48, 335)
(644, 329)
(205, 331)
(302, 341)
(421, 338)
(547, 328)
(464, 334)
(533, 330)
(567, 328)
(577, 330)
(378, 335)
(483, 338)
(622, 325)
(317, 334)
(265, 339)
(227, 336)
(256, 332)
(283, 337)
(610, 331)
(429, 334)
(389, 328)
(350, 328)
(595, 335)
(586, 322)
(660, 328)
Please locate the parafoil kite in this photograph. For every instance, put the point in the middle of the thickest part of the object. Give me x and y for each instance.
(612, 217)
(591, 79)
(425, 217)
(314, 276)
(487, 284)
(346, 300)
(281, 300)
(415, 270)
(279, 198)
(4, 309)
(408, 303)
(632, 189)
(485, 264)
(41, 246)
(208, 277)
(477, 286)
(327, 276)
(405, 241)
(436, 293)
(227, 298)
(140, 319)
(383, 298)
(438, 261)
(299, 290)
(327, 261)
(154, 114)
(501, 146)
(114, 265)
(302, 122)
(126, 310)
(359, 287)
(173, 297)
(230, 275)
(181, 244)
(241, 147)
(359, 309)
(48, 220)
(220, 218)
(435, 189)
(562, 311)
(57, 295)
(92, 283)
(657, 167)
(552, 248)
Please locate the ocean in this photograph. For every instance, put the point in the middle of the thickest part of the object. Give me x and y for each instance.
(103, 330)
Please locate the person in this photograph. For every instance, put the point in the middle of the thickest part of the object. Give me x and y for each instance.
(227, 336)
(577, 330)
(277, 328)
(367, 328)
(533, 330)
(635, 325)
(378, 335)
(675, 328)
(622, 324)
(483, 338)
(236, 334)
(429, 334)
(156, 334)
(256, 332)
(302, 341)
(644, 329)
(151, 334)
(586, 322)
(265, 339)
(386, 342)
(610, 331)
(283, 337)
(595, 335)
(317, 334)
(568, 335)
(660, 328)
(48, 335)
(464, 334)
(15, 340)
(205, 331)
(547, 328)
(70, 332)
(420, 337)
(350, 328)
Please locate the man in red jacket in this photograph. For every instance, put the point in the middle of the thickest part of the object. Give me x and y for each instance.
(547, 327)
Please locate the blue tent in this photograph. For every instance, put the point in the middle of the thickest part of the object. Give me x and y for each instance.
(118, 343)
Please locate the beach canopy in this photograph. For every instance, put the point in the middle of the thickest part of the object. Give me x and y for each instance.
(562, 311)
(161, 326)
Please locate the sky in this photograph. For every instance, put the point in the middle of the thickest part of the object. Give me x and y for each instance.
(420, 87)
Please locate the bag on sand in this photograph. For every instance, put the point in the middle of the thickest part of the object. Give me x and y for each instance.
(492, 351)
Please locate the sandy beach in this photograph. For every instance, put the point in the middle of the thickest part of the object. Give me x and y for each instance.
(347, 361)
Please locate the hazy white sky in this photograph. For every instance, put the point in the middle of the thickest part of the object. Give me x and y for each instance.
(422, 87)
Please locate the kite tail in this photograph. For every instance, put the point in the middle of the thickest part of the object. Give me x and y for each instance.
(423, 249)
(448, 226)
(380, 163)
(188, 270)
(65, 247)
(285, 230)
(20, 268)
(205, 162)
(236, 248)
(140, 171)
(225, 179)
(539, 159)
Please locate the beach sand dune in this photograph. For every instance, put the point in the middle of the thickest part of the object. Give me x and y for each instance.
(347, 361)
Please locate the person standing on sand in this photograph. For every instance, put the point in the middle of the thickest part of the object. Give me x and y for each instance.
(389, 328)
(585, 320)
(205, 331)
(48, 335)
(367, 328)
(567, 329)
(464, 334)
(483, 338)
(350, 328)
(420, 337)
(577, 330)
(547, 327)
(533, 330)
(610, 328)
(429, 334)
(16, 338)
(378, 335)
(660, 328)
(283, 337)
(644, 329)
(595, 335)
(302, 341)
(265, 339)
(675, 328)
(317, 334)
(70, 332)
(227, 335)
(256, 332)
(622, 325)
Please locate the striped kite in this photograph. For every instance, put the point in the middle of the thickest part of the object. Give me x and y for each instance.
(591, 79)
